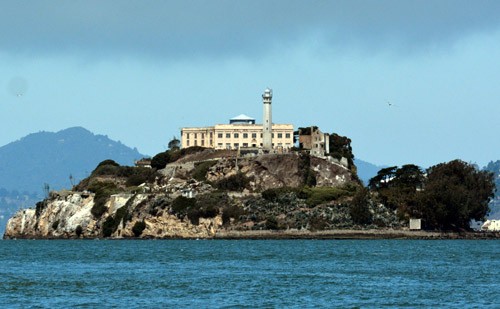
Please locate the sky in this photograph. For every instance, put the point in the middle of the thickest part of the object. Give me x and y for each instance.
(408, 81)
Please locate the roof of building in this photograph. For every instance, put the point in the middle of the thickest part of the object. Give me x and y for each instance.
(242, 117)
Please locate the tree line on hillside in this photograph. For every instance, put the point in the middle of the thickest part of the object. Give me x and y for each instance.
(446, 197)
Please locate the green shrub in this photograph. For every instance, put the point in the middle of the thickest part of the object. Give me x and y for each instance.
(275, 193)
(237, 182)
(78, 230)
(107, 162)
(140, 175)
(55, 225)
(231, 211)
(181, 204)
(138, 228)
(320, 195)
(106, 167)
(207, 206)
(108, 227)
(102, 190)
(201, 169)
(271, 223)
(317, 223)
(112, 222)
(160, 160)
(359, 208)
(40, 206)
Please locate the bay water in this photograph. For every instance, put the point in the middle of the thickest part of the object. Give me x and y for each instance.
(249, 273)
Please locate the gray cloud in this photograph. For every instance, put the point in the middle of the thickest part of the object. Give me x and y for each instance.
(174, 29)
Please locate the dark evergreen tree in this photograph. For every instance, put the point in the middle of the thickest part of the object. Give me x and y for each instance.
(455, 193)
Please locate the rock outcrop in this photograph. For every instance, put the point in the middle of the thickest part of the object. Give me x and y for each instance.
(164, 208)
(69, 216)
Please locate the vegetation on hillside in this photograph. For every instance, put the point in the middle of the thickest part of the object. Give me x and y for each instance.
(447, 197)
(161, 160)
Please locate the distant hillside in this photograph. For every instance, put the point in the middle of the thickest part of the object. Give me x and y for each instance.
(47, 157)
(366, 170)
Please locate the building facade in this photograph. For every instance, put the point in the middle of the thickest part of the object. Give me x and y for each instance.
(242, 132)
(314, 141)
(235, 136)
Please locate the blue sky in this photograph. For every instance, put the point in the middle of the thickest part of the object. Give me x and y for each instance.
(138, 71)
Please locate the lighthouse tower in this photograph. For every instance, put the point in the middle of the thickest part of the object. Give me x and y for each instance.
(267, 123)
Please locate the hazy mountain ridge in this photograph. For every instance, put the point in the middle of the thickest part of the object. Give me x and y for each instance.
(47, 157)
(366, 170)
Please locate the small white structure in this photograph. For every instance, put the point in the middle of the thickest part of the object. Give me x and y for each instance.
(415, 224)
(491, 226)
(189, 193)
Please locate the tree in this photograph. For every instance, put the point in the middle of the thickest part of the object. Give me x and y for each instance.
(359, 208)
(174, 144)
(383, 178)
(138, 228)
(398, 188)
(340, 147)
(161, 160)
(455, 193)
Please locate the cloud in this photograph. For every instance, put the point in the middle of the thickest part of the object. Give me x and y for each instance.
(178, 29)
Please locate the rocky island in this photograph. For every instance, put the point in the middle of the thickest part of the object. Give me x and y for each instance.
(204, 193)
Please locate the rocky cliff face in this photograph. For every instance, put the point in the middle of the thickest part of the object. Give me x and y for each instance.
(159, 210)
(69, 216)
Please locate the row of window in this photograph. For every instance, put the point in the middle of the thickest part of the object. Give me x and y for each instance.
(235, 135)
(196, 135)
(245, 145)
(202, 143)
(254, 135)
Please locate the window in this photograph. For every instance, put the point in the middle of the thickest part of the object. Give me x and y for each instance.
(245, 135)
(219, 145)
(245, 145)
(254, 135)
(211, 135)
(272, 135)
(195, 142)
(228, 146)
(228, 135)
(219, 135)
(202, 135)
(280, 135)
(187, 143)
(236, 135)
(260, 135)
(187, 135)
(202, 142)
(287, 135)
(196, 135)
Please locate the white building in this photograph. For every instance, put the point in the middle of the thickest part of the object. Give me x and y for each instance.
(242, 132)
(491, 226)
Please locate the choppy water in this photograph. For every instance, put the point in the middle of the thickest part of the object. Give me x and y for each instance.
(246, 273)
